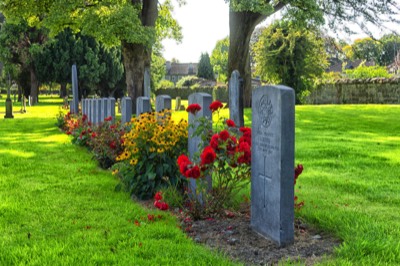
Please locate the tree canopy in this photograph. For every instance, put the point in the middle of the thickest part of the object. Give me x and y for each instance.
(287, 55)
(204, 69)
(219, 59)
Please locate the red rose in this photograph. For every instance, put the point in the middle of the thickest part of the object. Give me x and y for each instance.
(150, 217)
(195, 172)
(297, 171)
(183, 159)
(214, 142)
(224, 135)
(113, 145)
(164, 206)
(246, 131)
(215, 105)
(208, 155)
(108, 118)
(245, 139)
(158, 196)
(244, 147)
(69, 133)
(193, 108)
(84, 118)
(94, 135)
(230, 123)
(113, 126)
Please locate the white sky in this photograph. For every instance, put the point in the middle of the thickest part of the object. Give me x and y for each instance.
(203, 23)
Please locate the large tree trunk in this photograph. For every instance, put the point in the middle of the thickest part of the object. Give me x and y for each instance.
(241, 26)
(134, 62)
(138, 56)
(34, 86)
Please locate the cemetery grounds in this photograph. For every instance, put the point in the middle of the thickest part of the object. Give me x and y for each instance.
(57, 207)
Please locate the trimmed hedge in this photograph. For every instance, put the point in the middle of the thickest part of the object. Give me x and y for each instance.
(219, 93)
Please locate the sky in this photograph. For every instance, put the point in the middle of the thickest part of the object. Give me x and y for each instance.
(204, 22)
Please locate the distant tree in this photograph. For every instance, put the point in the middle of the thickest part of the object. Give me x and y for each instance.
(367, 49)
(158, 70)
(204, 69)
(390, 48)
(19, 44)
(219, 59)
(290, 56)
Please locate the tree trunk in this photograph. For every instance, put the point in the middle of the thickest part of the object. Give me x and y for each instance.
(63, 90)
(241, 26)
(134, 62)
(138, 56)
(34, 86)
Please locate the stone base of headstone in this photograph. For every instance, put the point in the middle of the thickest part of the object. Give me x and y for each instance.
(9, 112)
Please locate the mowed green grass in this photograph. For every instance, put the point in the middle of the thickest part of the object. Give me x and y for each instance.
(351, 181)
(58, 208)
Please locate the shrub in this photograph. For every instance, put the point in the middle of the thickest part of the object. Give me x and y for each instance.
(151, 148)
(164, 84)
(187, 81)
(105, 142)
(364, 72)
(226, 157)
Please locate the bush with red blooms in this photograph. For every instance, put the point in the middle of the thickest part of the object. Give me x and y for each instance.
(104, 140)
(224, 155)
(158, 203)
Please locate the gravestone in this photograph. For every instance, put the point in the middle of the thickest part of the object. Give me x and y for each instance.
(142, 105)
(83, 103)
(177, 103)
(147, 78)
(126, 110)
(272, 163)
(236, 99)
(93, 111)
(204, 100)
(98, 112)
(163, 102)
(103, 109)
(9, 111)
(75, 97)
(111, 108)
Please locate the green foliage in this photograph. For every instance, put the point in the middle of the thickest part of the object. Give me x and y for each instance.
(219, 59)
(187, 81)
(390, 48)
(205, 69)
(157, 71)
(366, 49)
(164, 84)
(364, 72)
(290, 56)
(151, 148)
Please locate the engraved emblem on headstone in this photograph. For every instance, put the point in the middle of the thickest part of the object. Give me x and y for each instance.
(265, 109)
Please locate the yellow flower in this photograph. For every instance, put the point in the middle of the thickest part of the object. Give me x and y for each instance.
(134, 161)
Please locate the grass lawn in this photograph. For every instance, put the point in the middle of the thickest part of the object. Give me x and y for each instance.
(57, 207)
(351, 182)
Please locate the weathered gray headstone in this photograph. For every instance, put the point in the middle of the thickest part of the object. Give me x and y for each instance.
(75, 98)
(146, 82)
(9, 111)
(98, 112)
(204, 100)
(111, 108)
(103, 111)
(126, 110)
(163, 102)
(83, 103)
(272, 163)
(235, 99)
(93, 111)
(177, 103)
(142, 105)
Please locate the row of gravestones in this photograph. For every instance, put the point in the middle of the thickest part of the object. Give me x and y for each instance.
(272, 154)
(97, 110)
